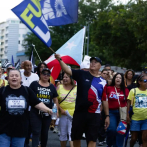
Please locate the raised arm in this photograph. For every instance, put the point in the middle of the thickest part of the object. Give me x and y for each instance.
(64, 67)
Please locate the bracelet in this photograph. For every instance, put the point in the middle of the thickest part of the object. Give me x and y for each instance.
(107, 115)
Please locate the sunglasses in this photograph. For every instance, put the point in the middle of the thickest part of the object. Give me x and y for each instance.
(46, 74)
(145, 81)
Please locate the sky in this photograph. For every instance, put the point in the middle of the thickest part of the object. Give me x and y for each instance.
(7, 5)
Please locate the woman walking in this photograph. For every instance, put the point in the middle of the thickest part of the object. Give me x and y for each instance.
(115, 93)
(14, 102)
(138, 98)
(67, 96)
(40, 121)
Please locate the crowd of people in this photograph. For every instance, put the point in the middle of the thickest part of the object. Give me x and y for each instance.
(89, 102)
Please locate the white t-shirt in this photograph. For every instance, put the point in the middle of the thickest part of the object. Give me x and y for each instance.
(28, 80)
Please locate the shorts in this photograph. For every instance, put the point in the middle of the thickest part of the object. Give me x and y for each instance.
(138, 125)
(88, 123)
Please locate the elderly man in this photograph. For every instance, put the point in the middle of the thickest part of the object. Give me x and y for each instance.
(89, 93)
(27, 76)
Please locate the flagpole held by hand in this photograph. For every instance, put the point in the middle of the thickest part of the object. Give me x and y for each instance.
(52, 50)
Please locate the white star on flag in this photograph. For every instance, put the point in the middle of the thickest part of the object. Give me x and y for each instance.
(70, 45)
(103, 82)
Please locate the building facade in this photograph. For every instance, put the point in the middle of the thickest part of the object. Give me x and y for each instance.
(12, 34)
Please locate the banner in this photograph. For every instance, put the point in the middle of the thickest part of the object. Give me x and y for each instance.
(29, 12)
(59, 12)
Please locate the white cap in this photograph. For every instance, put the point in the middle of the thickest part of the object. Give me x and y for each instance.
(85, 65)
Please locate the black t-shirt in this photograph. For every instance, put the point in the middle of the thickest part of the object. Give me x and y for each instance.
(44, 94)
(14, 110)
(89, 91)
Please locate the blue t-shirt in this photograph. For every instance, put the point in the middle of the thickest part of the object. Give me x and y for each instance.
(89, 91)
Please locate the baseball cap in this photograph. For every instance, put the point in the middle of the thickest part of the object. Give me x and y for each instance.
(97, 59)
(45, 69)
(85, 65)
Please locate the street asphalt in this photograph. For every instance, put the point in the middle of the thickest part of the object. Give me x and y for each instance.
(53, 141)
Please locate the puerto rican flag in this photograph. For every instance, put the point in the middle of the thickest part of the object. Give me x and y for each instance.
(122, 127)
(71, 53)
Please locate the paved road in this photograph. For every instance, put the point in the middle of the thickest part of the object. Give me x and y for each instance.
(53, 141)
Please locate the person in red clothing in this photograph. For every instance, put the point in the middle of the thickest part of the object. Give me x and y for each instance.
(112, 93)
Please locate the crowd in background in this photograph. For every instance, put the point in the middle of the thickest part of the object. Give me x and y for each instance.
(88, 105)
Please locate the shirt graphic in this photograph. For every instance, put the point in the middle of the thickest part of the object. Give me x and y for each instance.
(16, 105)
(44, 95)
(95, 94)
(141, 101)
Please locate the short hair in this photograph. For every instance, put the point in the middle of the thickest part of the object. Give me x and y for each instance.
(13, 70)
(104, 70)
(107, 65)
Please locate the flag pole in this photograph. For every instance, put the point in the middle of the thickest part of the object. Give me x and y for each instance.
(52, 50)
(37, 52)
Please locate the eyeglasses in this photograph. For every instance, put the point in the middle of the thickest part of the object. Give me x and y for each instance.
(145, 81)
(46, 74)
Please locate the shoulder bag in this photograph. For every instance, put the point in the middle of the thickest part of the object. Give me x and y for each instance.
(66, 95)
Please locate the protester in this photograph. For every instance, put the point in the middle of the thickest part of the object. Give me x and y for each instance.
(8, 68)
(110, 76)
(104, 74)
(66, 96)
(138, 98)
(27, 76)
(40, 67)
(2, 81)
(40, 121)
(101, 131)
(86, 117)
(14, 102)
(129, 77)
(113, 94)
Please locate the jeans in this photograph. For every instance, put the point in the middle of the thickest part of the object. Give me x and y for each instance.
(113, 138)
(40, 126)
(6, 141)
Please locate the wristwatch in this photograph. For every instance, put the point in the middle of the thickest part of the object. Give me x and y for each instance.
(107, 115)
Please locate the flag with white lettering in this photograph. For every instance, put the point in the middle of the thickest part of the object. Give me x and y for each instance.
(29, 12)
(60, 12)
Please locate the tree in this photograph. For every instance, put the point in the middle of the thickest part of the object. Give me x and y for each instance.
(119, 35)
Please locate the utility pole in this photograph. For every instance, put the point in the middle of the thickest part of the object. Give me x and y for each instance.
(87, 28)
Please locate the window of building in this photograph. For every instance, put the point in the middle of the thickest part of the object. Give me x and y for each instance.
(6, 35)
(19, 42)
(24, 35)
(6, 41)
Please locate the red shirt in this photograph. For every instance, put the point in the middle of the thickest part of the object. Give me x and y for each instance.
(109, 94)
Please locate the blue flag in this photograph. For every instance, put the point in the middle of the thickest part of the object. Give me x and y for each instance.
(12, 61)
(29, 12)
(59, 12)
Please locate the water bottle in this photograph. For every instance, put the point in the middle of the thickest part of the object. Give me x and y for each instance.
(54, 115)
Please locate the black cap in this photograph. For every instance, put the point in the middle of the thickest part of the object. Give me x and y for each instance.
(45, 69)
(97, 59)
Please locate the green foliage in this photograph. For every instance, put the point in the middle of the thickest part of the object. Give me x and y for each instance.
(118, 33)
(121, 35)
